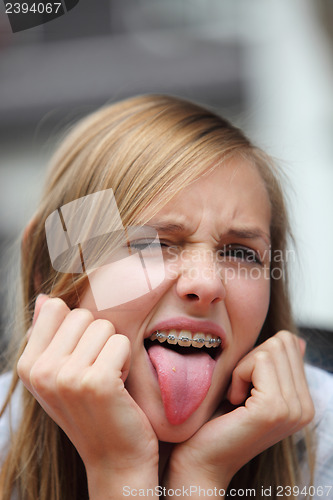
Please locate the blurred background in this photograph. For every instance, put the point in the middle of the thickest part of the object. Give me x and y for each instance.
(266, 64)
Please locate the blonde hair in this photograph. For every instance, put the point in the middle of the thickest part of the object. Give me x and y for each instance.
(146, 149)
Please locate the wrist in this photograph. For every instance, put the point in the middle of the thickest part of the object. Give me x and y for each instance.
(198, 479)
(110, 483)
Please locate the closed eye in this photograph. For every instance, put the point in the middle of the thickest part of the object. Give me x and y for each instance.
(140, 245)
(239, 253)
(149, 244)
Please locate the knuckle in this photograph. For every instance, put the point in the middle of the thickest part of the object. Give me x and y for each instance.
(65, 381)
(99, 386)
(93, 385)
(286, 337)
(284, 334)
(283, 413)
(295, 414)
(308, 412)
(262, 356)
(54, 305)
(105, 325)
(88, 383)
(236, 370)
(40, 377)
(278, 413)
(121, 339)
(121, 343)
(276, 343)
(83, 315)
(23, 368)
(72, 384)
(65, 378)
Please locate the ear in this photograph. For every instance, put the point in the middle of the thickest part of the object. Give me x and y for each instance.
(25, 248)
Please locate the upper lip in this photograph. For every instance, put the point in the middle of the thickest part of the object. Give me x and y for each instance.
(193, 325)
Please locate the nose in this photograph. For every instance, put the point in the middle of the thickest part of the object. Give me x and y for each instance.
(200, 282)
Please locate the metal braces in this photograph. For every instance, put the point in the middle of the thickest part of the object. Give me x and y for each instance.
(171, 337)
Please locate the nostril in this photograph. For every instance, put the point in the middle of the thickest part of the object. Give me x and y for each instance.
(192, 296)
(218, 299)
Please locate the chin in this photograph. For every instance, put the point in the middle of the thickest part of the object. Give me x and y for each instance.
(179, 433)
(174, 433)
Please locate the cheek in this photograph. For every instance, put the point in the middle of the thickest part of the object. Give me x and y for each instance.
(126, 280)
(247, 302)
(122, 297)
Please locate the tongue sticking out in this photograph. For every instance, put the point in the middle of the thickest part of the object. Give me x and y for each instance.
(184, 380)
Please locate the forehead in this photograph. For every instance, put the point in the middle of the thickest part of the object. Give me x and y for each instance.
(233, 194)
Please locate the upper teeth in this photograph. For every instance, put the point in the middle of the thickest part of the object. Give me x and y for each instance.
(186, 339)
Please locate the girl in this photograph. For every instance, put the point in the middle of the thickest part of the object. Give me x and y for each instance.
(160, 350)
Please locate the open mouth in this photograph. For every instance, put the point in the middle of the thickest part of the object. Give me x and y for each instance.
(184, 362)
(184, 342)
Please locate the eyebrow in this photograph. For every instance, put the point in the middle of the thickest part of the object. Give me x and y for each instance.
(168, 227)
(242, 233)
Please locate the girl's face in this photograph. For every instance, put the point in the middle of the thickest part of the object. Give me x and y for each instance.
(215, 241)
